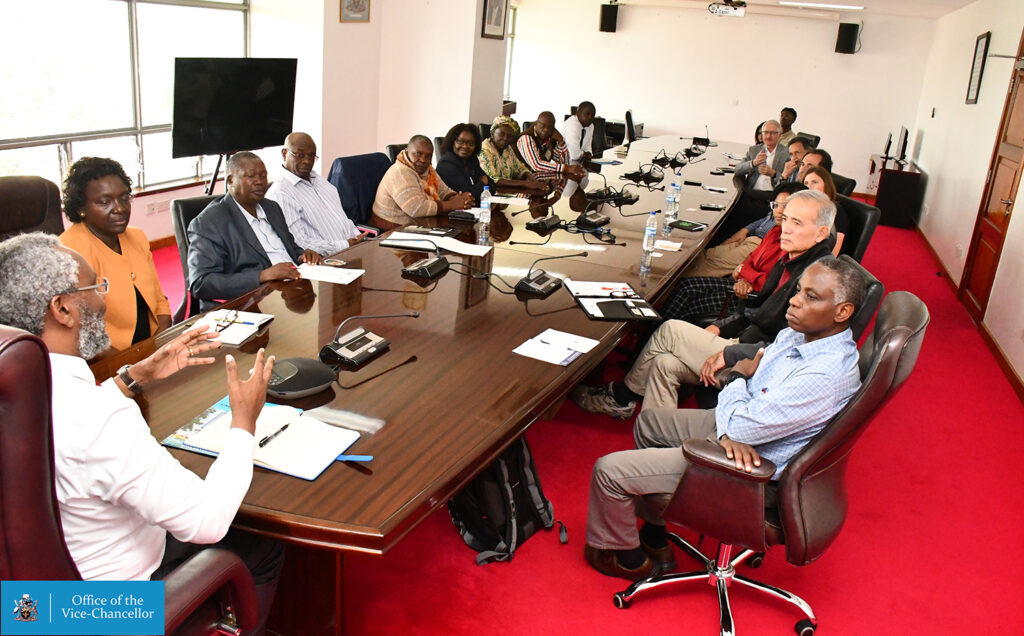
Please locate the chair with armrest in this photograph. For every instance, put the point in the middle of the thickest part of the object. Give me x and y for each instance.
(182, 213)
(393, 150)
(861, 221)
(631, 134)
(29, 204)
(844, 185)
(211, 590)
(356, 177)
(805, 509)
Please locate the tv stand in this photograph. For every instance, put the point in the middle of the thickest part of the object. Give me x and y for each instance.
(898, 188)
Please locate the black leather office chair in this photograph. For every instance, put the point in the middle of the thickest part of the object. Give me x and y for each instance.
(861, 221)
(29, 204)
(631, 134)
(713, 498)
(485, 130)
(814, 139)
(437, 147)
(210, 590)
(393, 150)
(356, 177)
(844, 185)
(600, 142)
(182, 213)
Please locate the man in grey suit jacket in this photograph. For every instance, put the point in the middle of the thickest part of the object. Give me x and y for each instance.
(241, 240)
(762, 167)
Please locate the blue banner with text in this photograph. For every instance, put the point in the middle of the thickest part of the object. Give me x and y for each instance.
(82, 608)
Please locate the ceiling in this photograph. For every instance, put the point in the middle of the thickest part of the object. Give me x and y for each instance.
(909, 8)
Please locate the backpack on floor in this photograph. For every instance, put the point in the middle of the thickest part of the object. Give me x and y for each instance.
(503, 506)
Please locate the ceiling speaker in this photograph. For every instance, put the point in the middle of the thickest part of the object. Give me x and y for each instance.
(846, 40)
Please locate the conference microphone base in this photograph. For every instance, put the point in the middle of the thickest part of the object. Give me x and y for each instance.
(538, 283)
(355, 348)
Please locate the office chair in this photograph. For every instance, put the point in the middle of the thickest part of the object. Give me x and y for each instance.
(844, 185)
(631, 134)
(485, 130)
(814, 139)
(356, 177)
(182, 213)
(393, 150)
(212, 588)
(713, 498)
(861, 221)
(600, 142)
(29, 204)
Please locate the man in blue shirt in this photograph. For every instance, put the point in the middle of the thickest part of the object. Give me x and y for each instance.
(775, 404)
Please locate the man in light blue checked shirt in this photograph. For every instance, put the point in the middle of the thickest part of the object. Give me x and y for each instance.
(773, 405)
(311, 205)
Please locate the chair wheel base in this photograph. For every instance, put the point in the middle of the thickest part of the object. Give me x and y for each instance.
(805, 627)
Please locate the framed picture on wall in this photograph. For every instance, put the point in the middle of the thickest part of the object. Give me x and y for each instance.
(978, 66)
(495, 14)
(355, 10)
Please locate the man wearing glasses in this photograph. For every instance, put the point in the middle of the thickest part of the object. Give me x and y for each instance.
(311, 205)
(129, 510)
(763, 165)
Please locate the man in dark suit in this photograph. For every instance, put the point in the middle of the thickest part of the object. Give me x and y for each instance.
(241, 240)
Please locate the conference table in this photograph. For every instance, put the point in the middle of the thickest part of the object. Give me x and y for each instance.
(451, 392)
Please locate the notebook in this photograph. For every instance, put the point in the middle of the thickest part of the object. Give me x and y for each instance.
(610, 301)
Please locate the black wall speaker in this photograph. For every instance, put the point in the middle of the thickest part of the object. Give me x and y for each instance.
(609, 17)
(846, 40)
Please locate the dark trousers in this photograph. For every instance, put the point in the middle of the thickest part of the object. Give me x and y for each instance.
(264, 557)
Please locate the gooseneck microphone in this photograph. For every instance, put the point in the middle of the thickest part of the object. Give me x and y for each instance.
(359, 345)
(539, 282)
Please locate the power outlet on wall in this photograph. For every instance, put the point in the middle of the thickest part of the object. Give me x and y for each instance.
(158, 207)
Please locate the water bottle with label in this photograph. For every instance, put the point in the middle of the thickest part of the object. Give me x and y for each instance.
(650, 232)
(485, 205)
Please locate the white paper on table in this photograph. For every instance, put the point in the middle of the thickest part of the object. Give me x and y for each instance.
(595, 288)
(668, 246)
(409, 241)
(507, 199)
(328, 274)
(606, 162)
(556, 347)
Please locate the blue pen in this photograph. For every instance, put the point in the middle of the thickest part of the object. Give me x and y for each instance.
(354, 458)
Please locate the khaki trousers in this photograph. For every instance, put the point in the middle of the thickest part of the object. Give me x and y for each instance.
(637, 483)
(722, 259)
(673, 355)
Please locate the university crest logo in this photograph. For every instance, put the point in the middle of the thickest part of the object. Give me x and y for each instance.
(25, 609)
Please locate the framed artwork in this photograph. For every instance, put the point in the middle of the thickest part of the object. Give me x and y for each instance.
(978, 66)
(495, 14)
(355, 10)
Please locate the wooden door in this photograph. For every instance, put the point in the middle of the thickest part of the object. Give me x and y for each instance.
(997, 203)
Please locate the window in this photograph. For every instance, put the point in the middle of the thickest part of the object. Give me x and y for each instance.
(98, 81)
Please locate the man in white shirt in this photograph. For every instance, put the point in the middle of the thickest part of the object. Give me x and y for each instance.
(124, 499)
(311, 205)
(578, 132)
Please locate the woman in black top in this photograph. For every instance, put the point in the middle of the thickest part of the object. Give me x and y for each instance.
(458, 166)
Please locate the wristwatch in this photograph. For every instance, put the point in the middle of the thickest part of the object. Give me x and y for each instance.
(132, 385)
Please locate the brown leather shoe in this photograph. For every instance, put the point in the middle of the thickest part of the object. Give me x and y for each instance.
(604, 561)
(663, 557)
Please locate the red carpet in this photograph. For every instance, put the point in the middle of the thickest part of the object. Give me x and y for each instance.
(932, 486)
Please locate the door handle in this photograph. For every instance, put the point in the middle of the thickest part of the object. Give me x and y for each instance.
(1006, 201)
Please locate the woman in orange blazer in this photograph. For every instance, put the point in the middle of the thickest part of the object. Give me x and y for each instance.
(98, 202)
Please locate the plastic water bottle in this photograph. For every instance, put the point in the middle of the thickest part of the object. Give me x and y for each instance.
(677, 189)
(485, 205)
(650, 231)
(483, 233)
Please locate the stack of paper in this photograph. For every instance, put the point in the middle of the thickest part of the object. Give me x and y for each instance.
(409, 241)
(329, 274)
(556, 347)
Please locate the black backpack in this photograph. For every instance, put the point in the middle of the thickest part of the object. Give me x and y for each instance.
(503, 506)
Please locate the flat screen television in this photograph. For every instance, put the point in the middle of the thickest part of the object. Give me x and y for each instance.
(888, 147)
(224, 105)
(901, 146)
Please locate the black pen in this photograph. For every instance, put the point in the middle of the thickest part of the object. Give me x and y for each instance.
(266, 440)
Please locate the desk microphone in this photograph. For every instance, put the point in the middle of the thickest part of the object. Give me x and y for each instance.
(429, 267)
(359, 345)
(539, 283)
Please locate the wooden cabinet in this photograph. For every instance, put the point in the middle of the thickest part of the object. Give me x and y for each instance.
(898, 190)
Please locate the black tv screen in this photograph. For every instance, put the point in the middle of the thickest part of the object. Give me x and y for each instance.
(224, 105)
(901, 146)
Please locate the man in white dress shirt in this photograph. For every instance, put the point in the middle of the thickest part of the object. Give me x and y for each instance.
(578, 132)
(129, 509)
(310, 203)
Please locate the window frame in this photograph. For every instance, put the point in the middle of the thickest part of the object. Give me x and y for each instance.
(137, 130)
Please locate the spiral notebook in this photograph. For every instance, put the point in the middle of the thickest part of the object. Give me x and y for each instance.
(610, 301)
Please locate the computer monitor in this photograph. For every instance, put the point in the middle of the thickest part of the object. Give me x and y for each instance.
(901, 146)
(888, 146)
(225, 105)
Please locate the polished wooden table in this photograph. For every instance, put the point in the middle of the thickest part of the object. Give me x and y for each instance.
(461, 397)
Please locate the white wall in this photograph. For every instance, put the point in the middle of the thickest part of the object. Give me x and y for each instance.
(956, 148)
(489, 56)
(681, 68)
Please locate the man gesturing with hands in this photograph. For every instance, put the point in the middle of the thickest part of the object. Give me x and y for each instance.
(129, 509)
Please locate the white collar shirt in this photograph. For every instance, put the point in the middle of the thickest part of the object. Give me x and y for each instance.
(577, 138)
(764, 182)
(313, 212)
(120, 492)
(266, 235)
